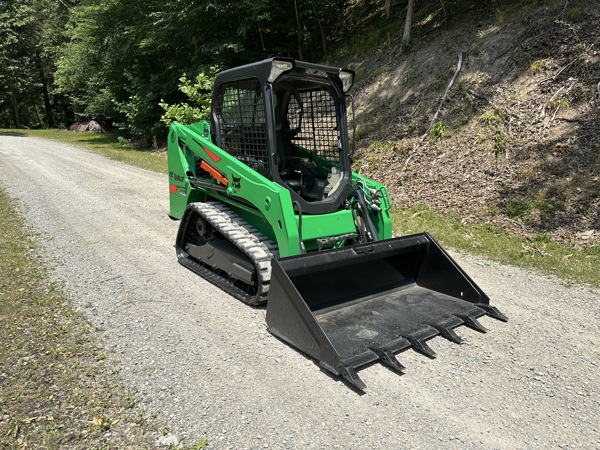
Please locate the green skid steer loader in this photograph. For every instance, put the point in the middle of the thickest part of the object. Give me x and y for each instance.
(271, 210)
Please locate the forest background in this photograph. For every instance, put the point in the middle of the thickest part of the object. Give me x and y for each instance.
(115, 61)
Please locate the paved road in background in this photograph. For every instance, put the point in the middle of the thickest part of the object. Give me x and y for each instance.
(205, 364)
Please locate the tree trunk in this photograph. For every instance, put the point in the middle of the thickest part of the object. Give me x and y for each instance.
(48, 108)
(37, 115)
(262, 39)
(68, 115)
(388, 8)
(5, 117)
(299, 30)
(15, 108)
(408, 23)
(323, 43)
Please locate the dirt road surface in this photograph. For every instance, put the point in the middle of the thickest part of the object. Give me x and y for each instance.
(205, 364)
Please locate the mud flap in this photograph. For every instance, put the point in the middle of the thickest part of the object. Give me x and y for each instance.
(352, 306)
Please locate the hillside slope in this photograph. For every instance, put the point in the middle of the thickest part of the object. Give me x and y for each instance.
(516, 143)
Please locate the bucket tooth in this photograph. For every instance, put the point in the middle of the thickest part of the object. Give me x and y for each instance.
(349, 373)
(421, 346)
(472, 323)
(448, 333)
(388, 358)
(492, 311)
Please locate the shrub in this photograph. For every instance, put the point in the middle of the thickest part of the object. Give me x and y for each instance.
(199, 94)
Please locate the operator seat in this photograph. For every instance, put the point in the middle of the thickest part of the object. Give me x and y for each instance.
(284, 134)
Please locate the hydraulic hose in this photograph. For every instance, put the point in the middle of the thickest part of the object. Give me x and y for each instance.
(360, 196)
(296, 204)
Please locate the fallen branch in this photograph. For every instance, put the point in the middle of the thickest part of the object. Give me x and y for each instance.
(419, 104)
(420, 140)
(519, 40)
(447, 90)
(408, 158)
(554, 115)
(418, 213)
(543, 109)
(555, 76)
(479, 96)
(564, 8)
(565, 119)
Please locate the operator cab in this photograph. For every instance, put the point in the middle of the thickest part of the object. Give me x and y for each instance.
(287, 120)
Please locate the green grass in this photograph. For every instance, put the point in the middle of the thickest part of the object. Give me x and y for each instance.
(537, 66)
(437, 131)
(539, 253)
(106, 144)
(57, 387)
(518, 207)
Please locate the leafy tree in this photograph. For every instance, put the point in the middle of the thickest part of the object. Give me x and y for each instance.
(117, 60)
(16, 35)
(30, 33)
(198, 93)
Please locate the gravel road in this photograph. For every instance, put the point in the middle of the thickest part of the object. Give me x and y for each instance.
(206, 365)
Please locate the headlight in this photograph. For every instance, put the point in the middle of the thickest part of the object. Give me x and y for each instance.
(347, 78)
(278, 67)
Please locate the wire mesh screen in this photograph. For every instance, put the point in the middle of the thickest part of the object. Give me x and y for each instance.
(241, 115)
(319, 124)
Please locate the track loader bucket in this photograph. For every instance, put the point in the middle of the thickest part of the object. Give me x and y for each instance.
(352, 306)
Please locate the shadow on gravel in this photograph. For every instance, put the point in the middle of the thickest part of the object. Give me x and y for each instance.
(96, 139)
(12, 133)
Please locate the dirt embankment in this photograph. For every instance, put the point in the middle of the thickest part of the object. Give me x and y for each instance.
(516, 140)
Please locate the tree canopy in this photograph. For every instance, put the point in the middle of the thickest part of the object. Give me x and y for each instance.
(118, 61)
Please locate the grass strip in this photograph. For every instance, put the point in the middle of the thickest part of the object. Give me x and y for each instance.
(56, 388)
(539, 252)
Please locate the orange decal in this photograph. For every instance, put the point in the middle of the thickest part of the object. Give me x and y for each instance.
(214, 172)
(211, 155)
